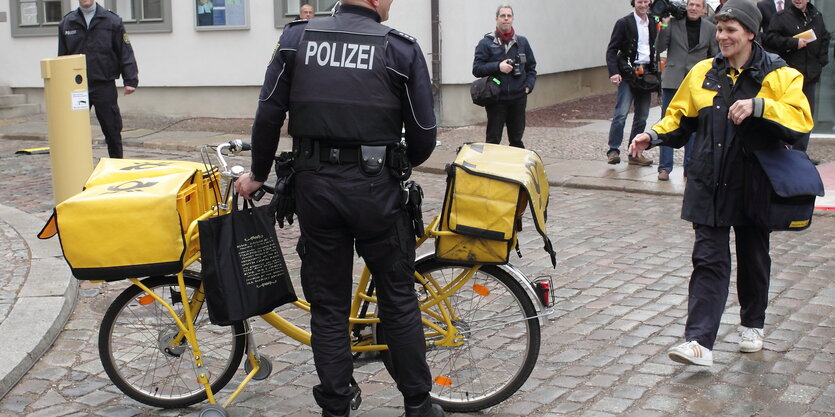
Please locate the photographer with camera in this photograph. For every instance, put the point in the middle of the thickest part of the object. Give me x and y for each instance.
(688, 39)
(630, 59)
(508, 57)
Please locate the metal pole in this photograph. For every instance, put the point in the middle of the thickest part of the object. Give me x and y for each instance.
(436, 58)
(68, 118)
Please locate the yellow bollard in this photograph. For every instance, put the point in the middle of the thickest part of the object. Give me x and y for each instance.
(68, 117)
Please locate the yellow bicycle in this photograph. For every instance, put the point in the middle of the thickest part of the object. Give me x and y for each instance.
(482, 326)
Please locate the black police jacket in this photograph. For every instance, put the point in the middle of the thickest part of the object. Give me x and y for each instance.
(790, 21)
(345, 88)
(105, 43)
(716, 173)
(489, 53)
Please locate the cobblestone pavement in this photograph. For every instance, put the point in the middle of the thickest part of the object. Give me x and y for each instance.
(621, 283)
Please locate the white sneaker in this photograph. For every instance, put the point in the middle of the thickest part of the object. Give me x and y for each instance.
(691, 353)
(750, 339)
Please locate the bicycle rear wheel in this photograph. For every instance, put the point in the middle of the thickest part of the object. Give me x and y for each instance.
(135, 352)
(499, 332)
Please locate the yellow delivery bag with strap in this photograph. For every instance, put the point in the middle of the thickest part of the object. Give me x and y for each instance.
(130, 221)
(488, 188)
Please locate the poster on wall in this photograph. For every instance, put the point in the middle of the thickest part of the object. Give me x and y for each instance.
(222, 14)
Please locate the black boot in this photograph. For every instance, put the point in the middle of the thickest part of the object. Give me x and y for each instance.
(425, 409)
(326, 413)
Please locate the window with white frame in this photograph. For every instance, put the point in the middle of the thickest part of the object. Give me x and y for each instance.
(288, 10)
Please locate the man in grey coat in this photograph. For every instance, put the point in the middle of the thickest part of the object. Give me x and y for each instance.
(687, 41)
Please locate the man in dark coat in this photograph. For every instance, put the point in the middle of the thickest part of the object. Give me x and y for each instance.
(100, 35)
(631, 51)
(807, 56)
(686, 41)
(507, 56)
(764, 108)
(768, 8)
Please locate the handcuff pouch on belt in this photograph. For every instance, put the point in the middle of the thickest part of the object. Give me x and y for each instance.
(284, 199)
(372, 159)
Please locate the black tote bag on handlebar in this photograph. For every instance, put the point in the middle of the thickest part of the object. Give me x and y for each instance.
(243, 269)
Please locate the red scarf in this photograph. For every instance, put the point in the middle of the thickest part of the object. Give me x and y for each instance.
(505, 37)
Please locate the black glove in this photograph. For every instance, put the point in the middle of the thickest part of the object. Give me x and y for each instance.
(284, 200)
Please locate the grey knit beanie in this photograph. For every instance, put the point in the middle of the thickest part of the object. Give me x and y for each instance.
(743, 11)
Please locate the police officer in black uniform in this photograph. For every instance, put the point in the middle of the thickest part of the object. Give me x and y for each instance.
(350, 85)
(100, 35)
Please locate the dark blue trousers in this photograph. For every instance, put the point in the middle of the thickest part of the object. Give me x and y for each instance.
(339, 207)
(510, 113)
(711, 278)
(103, 98)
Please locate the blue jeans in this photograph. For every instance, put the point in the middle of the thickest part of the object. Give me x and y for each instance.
(666, 161)
(624, 99)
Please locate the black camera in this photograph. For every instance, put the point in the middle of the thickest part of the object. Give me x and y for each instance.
(517, 64)
(663, 8)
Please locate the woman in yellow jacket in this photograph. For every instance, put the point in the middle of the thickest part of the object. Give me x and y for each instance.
(742, 100)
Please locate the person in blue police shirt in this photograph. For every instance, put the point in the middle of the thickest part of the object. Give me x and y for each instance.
(351, 85)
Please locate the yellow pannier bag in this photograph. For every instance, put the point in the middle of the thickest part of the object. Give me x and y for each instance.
(110, 170)
(488, 188)
(130, 220)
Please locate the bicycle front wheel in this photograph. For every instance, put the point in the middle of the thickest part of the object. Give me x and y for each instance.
(136, 350)
(498, 336)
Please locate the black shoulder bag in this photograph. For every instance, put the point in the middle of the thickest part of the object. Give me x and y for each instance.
(780, 186)
(485, 91)
(243, 269)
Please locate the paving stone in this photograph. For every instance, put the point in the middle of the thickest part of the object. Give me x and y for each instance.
(802, 394)
(15, 403)
(662, 403)
(612, 405)
(119, 411)
(566, 408)
(628, 391)
(824, 404)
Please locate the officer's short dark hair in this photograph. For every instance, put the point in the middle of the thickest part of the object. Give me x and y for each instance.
(504, 6)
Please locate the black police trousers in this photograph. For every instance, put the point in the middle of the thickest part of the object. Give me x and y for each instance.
(103, 97)
(711, 278)
(339, 206)
(510, 113)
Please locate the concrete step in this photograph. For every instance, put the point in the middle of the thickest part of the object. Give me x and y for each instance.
(5, 89)
(9, 112)
(12, 99)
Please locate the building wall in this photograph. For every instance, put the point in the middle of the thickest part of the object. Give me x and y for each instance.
(217, 73)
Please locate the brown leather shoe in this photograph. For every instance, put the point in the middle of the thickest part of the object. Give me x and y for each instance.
(641, 161)
(613, 157)
(663, 175)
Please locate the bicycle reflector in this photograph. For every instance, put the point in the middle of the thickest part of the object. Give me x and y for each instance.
(544, 291)
(443, 381)
(146, 300)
